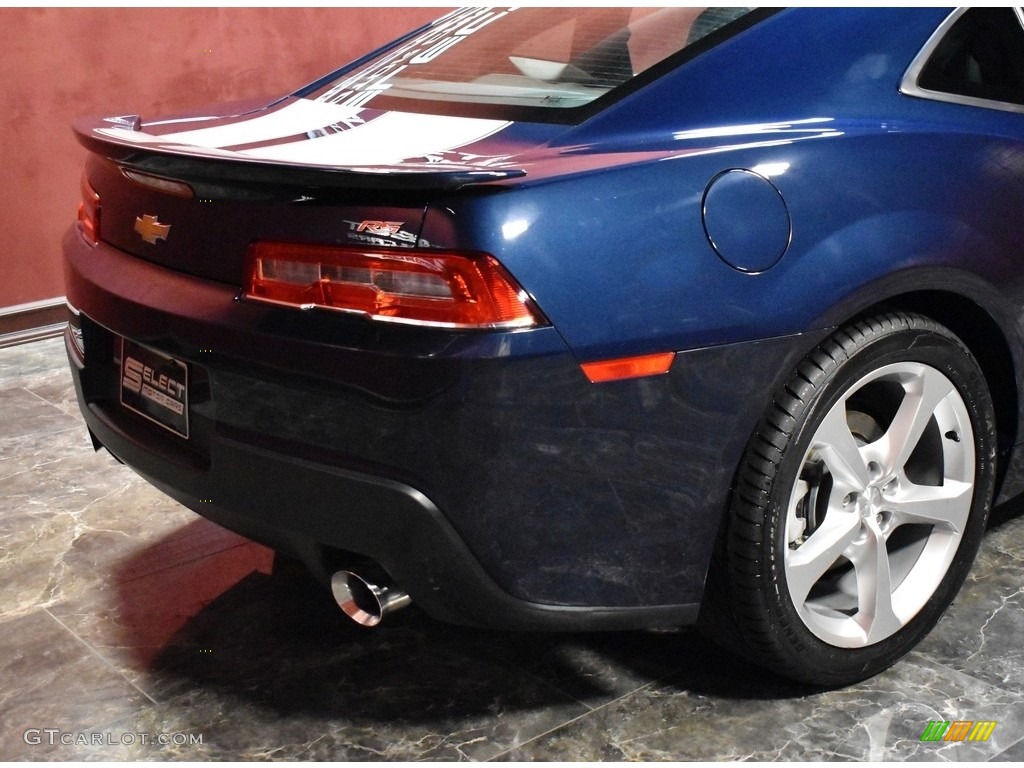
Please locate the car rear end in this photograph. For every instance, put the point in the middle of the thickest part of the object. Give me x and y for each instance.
(335, 359)
(323, 434)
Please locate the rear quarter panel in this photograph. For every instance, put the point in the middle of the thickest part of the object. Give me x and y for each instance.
(886, 193)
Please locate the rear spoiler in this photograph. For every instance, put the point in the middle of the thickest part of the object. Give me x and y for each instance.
(112, 138)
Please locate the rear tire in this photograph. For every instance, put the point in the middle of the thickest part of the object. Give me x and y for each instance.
(859, 505)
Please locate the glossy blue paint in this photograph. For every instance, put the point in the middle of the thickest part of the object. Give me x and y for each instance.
(735, 210)
(746, 220)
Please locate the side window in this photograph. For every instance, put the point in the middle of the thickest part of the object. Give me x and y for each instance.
(980, 57)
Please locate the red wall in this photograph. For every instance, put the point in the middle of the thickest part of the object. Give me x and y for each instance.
(58, 63)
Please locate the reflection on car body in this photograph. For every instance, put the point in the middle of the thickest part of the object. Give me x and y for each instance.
(580, 319)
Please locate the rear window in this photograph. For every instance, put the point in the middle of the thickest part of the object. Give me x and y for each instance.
(498, 62)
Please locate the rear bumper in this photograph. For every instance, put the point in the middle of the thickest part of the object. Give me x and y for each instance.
(326, 515)
(483, 472)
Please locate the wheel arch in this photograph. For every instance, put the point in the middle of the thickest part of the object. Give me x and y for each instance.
(747, 602)
(992, 341)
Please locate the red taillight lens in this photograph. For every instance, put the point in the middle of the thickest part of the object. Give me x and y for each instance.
(423, 287)
(89, 213)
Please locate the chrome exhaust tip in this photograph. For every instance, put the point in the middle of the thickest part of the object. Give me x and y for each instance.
(363, 601)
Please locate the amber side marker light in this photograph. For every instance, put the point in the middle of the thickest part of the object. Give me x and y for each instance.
(89, 213)
(628, 367)
(415, 286)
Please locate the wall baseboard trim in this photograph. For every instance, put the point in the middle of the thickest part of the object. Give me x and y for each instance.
(35, 321)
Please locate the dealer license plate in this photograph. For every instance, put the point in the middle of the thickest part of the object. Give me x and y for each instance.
(155, 386)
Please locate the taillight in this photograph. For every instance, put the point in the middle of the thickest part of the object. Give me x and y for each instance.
(89, 213)
(423, 287)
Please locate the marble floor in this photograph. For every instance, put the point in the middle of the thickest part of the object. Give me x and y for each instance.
(131, 629)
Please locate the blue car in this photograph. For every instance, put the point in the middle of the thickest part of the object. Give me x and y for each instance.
(587, 319)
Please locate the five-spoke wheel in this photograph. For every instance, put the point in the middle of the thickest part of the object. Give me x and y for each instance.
(860, 502)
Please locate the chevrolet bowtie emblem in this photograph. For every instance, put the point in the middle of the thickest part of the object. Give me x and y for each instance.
(150, 228)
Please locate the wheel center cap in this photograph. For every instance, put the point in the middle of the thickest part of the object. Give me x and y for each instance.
(871, 499)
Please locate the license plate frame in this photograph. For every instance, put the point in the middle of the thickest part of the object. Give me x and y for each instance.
(154, 386)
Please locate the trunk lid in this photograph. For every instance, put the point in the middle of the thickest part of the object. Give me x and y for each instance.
(302, 140)
(193, 193)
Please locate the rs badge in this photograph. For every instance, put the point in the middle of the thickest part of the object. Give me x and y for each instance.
(150, 228)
